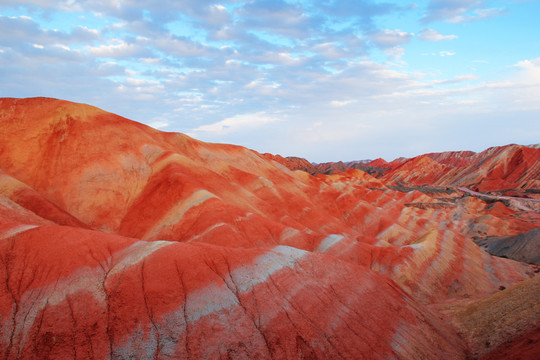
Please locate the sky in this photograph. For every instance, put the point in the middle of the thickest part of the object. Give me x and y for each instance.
(326, 80)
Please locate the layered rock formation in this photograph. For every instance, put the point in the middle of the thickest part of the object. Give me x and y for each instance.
(510, 167)
(497, 168)
(118, 241)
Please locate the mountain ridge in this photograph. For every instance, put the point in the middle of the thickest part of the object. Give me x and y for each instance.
(450, 167)
(120, 240)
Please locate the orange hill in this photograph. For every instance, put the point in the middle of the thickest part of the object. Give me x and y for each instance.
(118, 241)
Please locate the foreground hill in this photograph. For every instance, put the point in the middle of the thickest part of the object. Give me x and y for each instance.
(118, 240)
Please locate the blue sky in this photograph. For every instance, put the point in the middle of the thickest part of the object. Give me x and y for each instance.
(326, 80)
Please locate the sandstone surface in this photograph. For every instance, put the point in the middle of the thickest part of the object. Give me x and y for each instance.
(118, 240)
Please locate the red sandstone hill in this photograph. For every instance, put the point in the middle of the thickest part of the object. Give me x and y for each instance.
(294, 163)
(121, 241)
(329, 168)
(497, 168)
(505, 167)
(381, 163)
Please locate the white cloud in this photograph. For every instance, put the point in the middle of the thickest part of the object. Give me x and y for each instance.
(456, 79)
(456, 11)
(277, 16)
(329, 50)
(337, 103)
(63, 47)
(217, 15)
(434, 35)
(23, 29)
(446, 53)
(479, 14)
(528, 65)
(116, 50)
(138, 82)
(395, 52)
(309, 64)
(390, 38)
(180, 47)
(159, 124)
(276, 58)
(263, 86)
(235, 124)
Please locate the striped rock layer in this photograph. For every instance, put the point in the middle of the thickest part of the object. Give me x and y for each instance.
(511, 168)
(121, 241)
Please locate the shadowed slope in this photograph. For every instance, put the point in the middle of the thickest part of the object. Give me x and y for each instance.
(524, 247)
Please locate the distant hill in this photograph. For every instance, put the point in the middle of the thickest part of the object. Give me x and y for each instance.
(503, 167)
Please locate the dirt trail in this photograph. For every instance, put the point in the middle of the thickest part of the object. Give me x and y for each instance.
(517, 203)
(476, 193)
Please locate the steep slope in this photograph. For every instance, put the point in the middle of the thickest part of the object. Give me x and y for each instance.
(418, 170)
(31, 200)
(167, 238)
(506, 167)
(163, 299)
(380, 163)
(454, 158)
(497, 168)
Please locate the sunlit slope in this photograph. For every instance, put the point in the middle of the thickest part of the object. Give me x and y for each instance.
(117, 239)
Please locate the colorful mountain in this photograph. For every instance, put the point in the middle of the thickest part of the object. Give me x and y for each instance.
(511, 168)
(121, 241)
